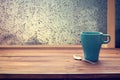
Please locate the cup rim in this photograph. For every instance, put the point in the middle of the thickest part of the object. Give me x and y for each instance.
(91, 33)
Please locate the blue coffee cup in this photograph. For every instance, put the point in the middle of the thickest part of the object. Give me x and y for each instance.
(91, 44)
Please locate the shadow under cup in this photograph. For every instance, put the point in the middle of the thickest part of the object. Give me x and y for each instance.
(91, 44)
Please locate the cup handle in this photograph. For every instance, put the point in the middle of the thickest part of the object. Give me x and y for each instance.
(80, 41)
(108, 38)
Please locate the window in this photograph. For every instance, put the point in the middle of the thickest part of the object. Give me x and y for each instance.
(54, 22)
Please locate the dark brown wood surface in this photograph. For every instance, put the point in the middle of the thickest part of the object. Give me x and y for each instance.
(57, 63)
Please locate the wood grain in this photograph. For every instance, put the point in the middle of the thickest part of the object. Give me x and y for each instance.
(111, 22)
(52, 63)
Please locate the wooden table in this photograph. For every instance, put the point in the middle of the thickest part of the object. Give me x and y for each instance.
(57, 63)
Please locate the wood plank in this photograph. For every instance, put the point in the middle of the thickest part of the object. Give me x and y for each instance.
(57, 63)
(41, 46)
(111, 22)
